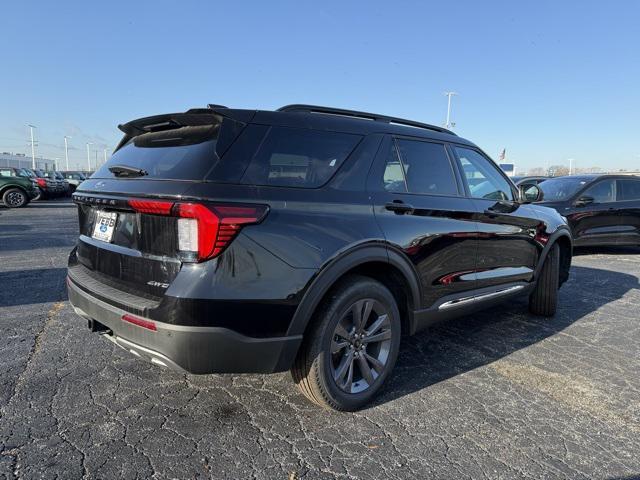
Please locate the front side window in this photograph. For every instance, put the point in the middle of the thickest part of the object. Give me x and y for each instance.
(297, 157)
(482, 176)
(602, 192)
(628, 190)
(426, 168)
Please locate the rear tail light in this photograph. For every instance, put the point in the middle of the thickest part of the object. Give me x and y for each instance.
(203, 231)
(153, 207)
(41, 182)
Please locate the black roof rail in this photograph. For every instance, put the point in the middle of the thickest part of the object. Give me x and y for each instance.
(364, 115)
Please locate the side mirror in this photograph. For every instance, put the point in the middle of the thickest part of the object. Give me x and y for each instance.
(583, 201)
(531, 193)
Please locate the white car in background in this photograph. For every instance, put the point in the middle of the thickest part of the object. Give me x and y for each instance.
(74, 179)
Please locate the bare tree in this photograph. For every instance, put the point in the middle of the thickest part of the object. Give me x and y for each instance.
(558, 170)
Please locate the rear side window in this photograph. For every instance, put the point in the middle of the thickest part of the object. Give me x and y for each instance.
(628, 190)
(293, 157)
(426, 168)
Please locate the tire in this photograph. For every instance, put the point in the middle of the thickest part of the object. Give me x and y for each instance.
(544, 298)
(332, 341)
(15, 198)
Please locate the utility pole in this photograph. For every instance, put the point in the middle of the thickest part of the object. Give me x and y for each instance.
(66, 151)
(33, 148)
(96, 154)
(89, 158)
(448, 123)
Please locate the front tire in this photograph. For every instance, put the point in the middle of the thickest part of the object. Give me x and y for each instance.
(15, 198)
(544, 298)
(351, 346)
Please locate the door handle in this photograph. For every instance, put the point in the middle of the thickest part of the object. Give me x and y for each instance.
(399, 207)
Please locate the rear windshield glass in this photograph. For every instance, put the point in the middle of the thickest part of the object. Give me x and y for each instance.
(185, 153)
(295, 157)
(557, 189)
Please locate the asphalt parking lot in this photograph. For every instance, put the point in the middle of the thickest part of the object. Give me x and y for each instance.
(501, 394)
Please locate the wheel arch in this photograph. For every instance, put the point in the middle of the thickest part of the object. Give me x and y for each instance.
(563, 238)
(4, 189)
(387, 266)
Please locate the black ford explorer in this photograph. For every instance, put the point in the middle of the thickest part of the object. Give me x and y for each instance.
(227, 241)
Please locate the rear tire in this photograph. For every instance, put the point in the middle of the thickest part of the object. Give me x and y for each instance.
(346, 356)
(15, 198)
(544, 298)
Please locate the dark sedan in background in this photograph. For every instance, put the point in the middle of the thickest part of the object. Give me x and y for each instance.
(531, 180)
(600, 209)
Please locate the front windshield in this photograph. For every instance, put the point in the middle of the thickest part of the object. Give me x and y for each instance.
(561, 188)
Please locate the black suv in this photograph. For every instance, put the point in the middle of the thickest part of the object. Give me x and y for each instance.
(222, 240)
(601, 210)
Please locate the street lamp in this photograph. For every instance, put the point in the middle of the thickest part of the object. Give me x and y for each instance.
(66, 151)
(33, 148)
(88, 158)
(448, 124)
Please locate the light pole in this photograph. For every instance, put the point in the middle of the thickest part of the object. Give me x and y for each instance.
(33, 148)
(105, 155)
(66, 151)
(88, 158)
(570, 166)
(449, 95)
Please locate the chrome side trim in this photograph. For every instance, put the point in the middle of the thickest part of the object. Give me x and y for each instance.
(479, 298)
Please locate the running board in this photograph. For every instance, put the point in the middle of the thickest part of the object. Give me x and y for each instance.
(458, 302)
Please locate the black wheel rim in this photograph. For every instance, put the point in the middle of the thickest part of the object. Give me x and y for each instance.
(360, 345)
(15, 199)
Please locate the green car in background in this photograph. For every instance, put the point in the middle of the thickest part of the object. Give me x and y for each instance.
(16, 190)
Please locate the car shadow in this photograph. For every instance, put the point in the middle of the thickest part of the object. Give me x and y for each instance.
(461, 345)
(26, 287)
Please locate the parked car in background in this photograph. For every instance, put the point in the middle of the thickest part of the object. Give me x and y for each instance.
(49, 188)
(65, 183)
(309, 238)
(600, 209)
(16, 190)
(531, 180)
(525, 184)
(74, 178)
(61, 186)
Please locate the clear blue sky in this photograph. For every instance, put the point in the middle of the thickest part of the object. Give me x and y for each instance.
(547, 81)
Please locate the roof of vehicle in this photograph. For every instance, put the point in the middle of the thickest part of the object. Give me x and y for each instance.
(301, 116)
(519, 178)
(589, 177)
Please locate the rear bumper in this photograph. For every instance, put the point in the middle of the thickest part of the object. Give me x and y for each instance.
(190, 349)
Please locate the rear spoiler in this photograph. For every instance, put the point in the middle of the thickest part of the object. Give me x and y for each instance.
(193, 117)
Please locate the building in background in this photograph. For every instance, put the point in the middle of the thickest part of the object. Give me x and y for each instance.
(20, 160)
(508, 168)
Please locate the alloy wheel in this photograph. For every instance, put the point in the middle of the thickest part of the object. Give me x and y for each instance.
(15, 199)
(360, 345)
